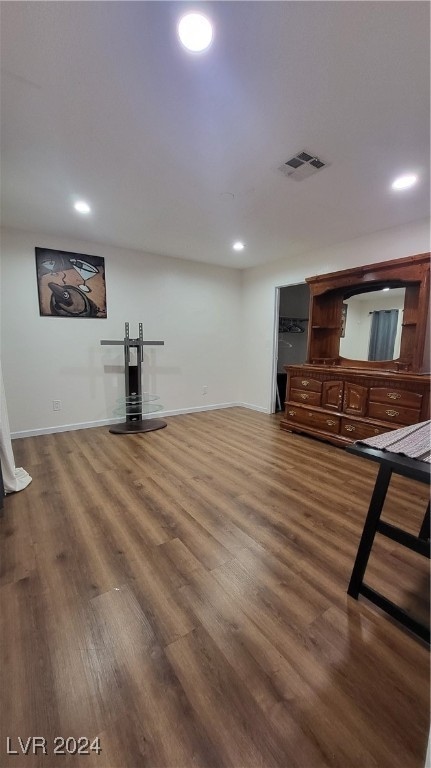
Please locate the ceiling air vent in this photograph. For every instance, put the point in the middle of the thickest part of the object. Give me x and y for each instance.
(303, 165)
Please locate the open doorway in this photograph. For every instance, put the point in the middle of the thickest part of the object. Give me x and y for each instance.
(291, 335)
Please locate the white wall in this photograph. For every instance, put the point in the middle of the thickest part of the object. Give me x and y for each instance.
(194, 308)
(355, 343)
(259, 286)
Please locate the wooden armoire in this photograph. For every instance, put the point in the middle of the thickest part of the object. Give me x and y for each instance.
(340, 399)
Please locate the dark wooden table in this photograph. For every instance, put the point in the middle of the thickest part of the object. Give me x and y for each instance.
(390, 463)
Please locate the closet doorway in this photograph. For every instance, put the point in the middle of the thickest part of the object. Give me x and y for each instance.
(292, 311)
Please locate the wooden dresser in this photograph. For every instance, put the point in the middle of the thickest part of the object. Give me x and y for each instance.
(340, 399)
(342, 405)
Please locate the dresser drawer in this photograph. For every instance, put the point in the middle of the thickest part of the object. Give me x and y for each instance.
(324, 421)
(307, 398)
(304, 383)
(394, 412)
(396, 397)
(359, 430)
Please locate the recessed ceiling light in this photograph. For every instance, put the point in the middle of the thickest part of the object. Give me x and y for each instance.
(195, 32)
(386, 289)
(238, 246)
(405, 181)
(82, 207)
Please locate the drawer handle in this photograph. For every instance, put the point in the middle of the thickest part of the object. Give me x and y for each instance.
(304, 395)
(349, 428)
(394, 395)
(311, 414)
(377, 431)
(292, 413)
(305, 383)
(331, 422)
(391, 412)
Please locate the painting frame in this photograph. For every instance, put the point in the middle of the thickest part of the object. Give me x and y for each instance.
(62, 284)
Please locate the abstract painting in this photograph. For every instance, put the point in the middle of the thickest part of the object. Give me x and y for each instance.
(70, 284)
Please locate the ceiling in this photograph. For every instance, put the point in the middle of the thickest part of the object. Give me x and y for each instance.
(179, 154)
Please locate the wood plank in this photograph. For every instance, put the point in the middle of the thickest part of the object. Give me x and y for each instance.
(152, 694)
(224, 710)
(18, 557)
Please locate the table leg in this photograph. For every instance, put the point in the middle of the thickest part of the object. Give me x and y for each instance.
(424, 532)
(369, 532)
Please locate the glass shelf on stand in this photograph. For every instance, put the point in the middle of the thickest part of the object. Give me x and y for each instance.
(133, 408)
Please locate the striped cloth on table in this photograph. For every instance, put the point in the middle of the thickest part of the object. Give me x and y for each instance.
(413, 441)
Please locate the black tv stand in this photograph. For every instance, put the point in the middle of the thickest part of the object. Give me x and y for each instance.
(135, 399)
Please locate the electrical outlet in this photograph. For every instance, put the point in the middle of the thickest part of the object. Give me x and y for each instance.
(56, 405)
(205, 390)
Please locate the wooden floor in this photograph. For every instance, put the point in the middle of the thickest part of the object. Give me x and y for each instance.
(182, 595)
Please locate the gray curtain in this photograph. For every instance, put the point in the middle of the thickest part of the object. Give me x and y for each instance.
(382, 335)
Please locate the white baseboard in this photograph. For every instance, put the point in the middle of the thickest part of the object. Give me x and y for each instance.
(63, 428)
(251, 407)
(107, 422)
